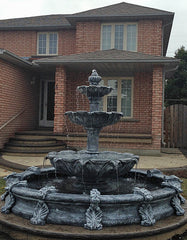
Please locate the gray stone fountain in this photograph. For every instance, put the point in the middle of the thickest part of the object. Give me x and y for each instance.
(90, 188)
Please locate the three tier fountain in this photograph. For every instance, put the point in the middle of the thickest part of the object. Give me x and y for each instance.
(90, 188)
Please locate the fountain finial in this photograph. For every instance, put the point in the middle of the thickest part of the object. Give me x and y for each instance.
(94, 78)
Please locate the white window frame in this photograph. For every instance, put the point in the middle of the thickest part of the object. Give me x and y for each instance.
(47, 44)
(119, 79)
(124, 34)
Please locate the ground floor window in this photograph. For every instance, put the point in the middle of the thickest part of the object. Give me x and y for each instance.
(120, 99)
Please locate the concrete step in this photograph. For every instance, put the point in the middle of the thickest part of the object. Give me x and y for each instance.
(35, 135)
(22, 154)
(28, 142)
(33, 150)
(37, 142)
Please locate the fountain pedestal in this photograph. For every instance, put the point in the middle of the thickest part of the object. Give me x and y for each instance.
(93, 139)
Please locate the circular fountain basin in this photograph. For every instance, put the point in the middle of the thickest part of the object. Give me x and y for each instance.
(94, 119)
(93, 167)
(30, 197)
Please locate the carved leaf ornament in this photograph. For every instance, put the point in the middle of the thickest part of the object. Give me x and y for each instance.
(93, 219)
(147, 215)
(94, 213)
(40, 213)
(8, 204)
(8, 195)
(176, 204)
(41, 210)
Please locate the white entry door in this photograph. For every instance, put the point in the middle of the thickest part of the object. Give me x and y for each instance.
(47, 94)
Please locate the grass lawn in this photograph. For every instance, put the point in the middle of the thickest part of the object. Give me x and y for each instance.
(184, 187)
(2, 186)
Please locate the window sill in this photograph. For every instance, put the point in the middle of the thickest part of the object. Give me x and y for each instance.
(44, 55)
(129, 120)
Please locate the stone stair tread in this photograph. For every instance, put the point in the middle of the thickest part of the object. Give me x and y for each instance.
(34, 146)
(33, 149)
(33, 139)
(28, 151)
(36, 132)
(33, 142)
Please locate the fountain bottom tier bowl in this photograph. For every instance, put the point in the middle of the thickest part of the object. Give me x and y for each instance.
(148, 197)
(93, 169)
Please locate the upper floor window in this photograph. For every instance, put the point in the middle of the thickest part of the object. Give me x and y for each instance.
(47, 43)
(122, 36)
(120, 99)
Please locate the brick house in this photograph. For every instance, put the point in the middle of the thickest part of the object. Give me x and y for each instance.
(43, 59)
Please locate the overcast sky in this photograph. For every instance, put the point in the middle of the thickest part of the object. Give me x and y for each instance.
(27, 8)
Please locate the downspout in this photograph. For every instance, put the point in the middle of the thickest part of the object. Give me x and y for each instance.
(163, 85)
(163, 29)
(163, 95)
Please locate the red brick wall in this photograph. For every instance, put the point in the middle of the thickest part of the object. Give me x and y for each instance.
(66, 43)
(150, 37)
(60, 100)
(88, 36)
(22, 43)
(16, 94)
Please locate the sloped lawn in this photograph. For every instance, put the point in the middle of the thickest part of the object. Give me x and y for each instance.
(184, 187)
(2, 186)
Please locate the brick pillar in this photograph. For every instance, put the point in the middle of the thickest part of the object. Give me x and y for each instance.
(60, 100)
(157, 89)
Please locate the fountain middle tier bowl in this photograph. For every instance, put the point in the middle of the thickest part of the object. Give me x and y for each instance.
(95, 119)
(92, 167)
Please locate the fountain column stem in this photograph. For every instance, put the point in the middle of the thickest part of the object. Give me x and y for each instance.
(94, 105)
(93, 139)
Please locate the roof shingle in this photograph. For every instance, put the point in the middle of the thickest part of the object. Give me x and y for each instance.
(121, 9)
(113, 55)
(38, 22)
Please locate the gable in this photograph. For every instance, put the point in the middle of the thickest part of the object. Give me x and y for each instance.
(121, 11)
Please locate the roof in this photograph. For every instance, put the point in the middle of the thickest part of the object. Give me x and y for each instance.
(111, 55)
(13, 58)
(122, 9)
(107, 60)
(48, 22)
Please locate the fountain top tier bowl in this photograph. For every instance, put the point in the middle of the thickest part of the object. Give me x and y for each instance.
(93, 91)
